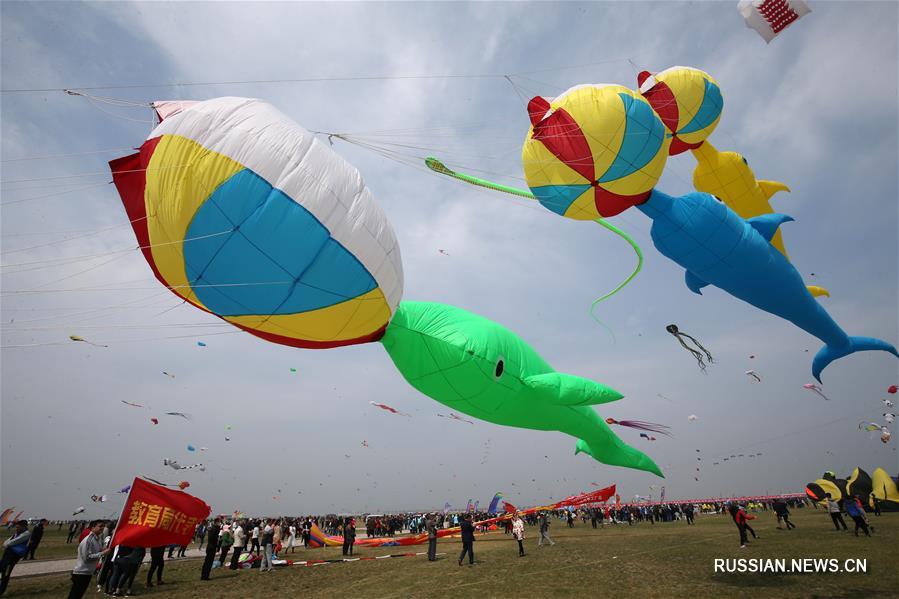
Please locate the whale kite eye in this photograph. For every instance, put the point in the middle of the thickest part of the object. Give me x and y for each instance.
(500, 366)
(744, 160)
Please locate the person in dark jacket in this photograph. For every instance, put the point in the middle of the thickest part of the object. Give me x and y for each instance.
(157, 563)
(432, 539)
(467, 540)
(37, 533)
(212, 543)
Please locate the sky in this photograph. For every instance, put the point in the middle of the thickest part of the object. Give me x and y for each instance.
(816, 109)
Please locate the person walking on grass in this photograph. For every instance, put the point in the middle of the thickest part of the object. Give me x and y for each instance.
(518, 533)
(90, 550)
(740, 518)
(857, 513)
(834, 509)
(226, 540)
(783, 514)
(467, 540)
(14, 549)
(543, 522)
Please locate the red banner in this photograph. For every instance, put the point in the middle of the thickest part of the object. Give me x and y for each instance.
(154, 516)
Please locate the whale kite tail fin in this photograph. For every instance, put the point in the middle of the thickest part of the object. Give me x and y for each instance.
(829, 353)
(623, 455)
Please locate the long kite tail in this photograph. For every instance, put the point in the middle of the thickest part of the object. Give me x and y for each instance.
(438, 167)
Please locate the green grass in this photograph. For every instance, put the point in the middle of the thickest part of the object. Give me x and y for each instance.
(53, 544)
(646, 561)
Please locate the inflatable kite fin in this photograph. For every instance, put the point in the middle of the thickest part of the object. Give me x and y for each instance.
(624, 455)
(830, 353)
(537, 109)
(569, 390)
(769, 188)
(817, 291)
(694, 283)
(767, 224)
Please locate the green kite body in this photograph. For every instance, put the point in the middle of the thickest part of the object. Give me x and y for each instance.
(476, 366)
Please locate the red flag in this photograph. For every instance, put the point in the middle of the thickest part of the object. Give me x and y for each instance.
(154, 515)
(509, 508)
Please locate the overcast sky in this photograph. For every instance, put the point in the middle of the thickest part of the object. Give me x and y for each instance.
(816, 109)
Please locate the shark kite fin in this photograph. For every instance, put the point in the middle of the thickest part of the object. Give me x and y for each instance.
(817, 291)
(769, 188)
(767, 224)
(569, 390)
(694, 283)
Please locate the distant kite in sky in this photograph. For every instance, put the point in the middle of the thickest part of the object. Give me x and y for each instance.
(868, 426)
(78, 510)
(892, 389)
(647, 437)
(885, 435)
(133, 405)
(770, 17)
(83, 340)
(816, 389)
(641, 425)
(364, 443)
(444, 252)
(388, 408)
(191, 448)
(293, 369)
(181, 414)
(201, 344)
(754, 375)
(453, 416)
(692, 417)
(154, 420)
(171, 376)
(99, 498)
(183, 485)
(204, 449)
(125, 489)
(888, 403)
(700, 356)
(889, 417)
(173, 464)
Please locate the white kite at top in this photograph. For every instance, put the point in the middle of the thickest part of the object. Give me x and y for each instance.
(770, 17)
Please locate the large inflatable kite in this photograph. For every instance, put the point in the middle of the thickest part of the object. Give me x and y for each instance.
(689, 103)
(601, 149)
(246, 215)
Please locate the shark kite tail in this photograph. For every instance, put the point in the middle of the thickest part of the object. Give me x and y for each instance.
(829, 353)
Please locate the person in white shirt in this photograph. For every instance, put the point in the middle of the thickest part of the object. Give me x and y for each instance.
(291, 538)
(254, 539)
(240, 541)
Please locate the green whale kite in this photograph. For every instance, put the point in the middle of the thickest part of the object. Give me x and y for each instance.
(478, 367)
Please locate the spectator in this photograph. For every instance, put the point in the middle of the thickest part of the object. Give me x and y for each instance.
(14, 549)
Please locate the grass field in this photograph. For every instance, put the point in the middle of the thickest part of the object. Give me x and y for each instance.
(646, 561)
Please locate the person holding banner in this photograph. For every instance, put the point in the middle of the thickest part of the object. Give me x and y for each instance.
(90, 550)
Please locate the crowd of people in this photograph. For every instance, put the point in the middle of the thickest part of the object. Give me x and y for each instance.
(246, 543)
